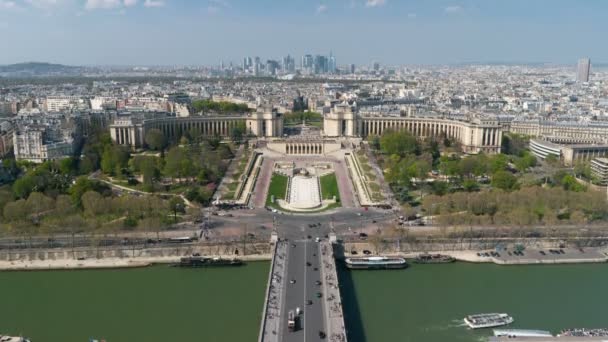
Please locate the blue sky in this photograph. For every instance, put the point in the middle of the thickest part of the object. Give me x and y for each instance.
(195, 32)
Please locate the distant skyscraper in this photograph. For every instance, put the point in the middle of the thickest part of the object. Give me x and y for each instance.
(582, 72)
(375, 66)
(332, 63)
(288, 64)
(321, 64)
(307, 61)
(352, 68)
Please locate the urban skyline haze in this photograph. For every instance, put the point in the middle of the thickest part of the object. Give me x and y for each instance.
(182, 32)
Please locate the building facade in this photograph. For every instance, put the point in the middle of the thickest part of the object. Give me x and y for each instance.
(583, 69)
(475, 136)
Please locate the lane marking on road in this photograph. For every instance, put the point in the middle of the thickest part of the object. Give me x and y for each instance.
(305, 285)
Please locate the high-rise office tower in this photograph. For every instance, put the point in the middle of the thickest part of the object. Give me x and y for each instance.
(582, 72)
(288, 64)
(307, 61)
(375, 66)
(320, 64)
(331, 67)
(352, 68)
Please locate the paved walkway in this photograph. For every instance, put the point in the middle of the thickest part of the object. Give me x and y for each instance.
(261, 187)
(345, 186)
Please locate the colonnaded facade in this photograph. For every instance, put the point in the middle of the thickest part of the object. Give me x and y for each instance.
(563, 132)
(475, 136)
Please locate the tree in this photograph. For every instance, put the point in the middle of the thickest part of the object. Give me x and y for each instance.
(176, 204)
(94, 204)
(470, 185)
(504, 180)
(398, 142)
(155, 139)
(552, 160)
(150, 173)
(82, 185)
(570, 183)
(236, 134)
(114, 159)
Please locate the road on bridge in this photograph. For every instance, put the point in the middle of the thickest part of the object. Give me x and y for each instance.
(302, 290)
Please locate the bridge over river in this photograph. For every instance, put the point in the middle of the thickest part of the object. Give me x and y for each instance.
(303, 275)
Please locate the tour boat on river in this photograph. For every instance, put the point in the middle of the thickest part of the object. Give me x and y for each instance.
(378, 262)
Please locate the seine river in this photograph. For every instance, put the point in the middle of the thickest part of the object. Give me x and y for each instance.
(427, 302)
(155, 304)
(421, 303)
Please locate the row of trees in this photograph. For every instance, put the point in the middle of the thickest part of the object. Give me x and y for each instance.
(298, 117)
(88, 207)
(219, 107)
(526, 206)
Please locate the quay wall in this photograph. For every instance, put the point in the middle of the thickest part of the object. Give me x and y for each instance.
(119, 257)
(267, 295)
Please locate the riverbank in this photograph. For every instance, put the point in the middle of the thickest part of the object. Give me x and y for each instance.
(529, 256)
(104, 263)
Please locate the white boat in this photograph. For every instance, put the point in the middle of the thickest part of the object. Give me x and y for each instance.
(521, 333)
(487, 320)
(5, 338)
(376, 262)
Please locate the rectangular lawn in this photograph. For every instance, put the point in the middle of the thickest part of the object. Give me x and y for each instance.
(329, 187)
(277, 187)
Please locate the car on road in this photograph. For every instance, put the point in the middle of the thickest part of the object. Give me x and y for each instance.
(319, 295)
(322, 335)
(309, 302)
(292, 281)
(308, 263)
(366, 252)
(318, 282)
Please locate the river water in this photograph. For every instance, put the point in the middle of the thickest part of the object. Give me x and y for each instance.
(427, 302)
(422, 303)
(154, 304)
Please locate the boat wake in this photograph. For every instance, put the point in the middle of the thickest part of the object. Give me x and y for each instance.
(454, 324)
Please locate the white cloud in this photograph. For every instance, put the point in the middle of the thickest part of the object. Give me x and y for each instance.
(321, 8)
(412, 15)
(102, 4)
(374, 3)
(220, 3)
(8, 5)
(130, 3)
(211, 9)
(452, 9)
(43, 3)
(154, 3)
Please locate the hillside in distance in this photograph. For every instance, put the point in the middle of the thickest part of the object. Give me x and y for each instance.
(38, 69)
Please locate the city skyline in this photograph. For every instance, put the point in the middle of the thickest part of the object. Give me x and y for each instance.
(179, 32)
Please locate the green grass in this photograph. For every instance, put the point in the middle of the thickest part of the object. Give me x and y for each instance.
(277, 187)
(232, 186)
(373, 186)
(329, 187)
